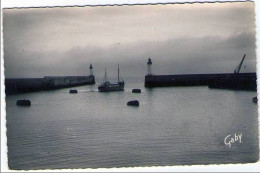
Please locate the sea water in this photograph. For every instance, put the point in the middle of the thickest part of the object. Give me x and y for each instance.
(171, 126)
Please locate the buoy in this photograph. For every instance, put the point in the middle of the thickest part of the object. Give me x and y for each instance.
(73, 91)
(23, 103)
(255, 99)
(136, 91)
(133, 103)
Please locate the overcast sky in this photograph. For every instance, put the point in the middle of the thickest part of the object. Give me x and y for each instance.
(180, 38)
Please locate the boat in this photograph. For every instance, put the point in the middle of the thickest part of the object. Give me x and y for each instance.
(106, 86)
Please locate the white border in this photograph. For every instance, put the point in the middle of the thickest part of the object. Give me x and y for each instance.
(197, 168)
(41, 3)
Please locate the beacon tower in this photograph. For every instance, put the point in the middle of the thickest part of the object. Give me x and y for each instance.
(149, 67)
(90, 70)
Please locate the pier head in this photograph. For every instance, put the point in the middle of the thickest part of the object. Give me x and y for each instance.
(235, 81)
(24, 85)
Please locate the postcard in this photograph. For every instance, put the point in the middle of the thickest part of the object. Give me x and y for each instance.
(113, 86)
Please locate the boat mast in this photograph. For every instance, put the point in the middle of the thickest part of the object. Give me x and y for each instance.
(118, 73)
(105, 78)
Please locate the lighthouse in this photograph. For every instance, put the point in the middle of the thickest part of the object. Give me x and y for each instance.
(149, 67)
(90, 70)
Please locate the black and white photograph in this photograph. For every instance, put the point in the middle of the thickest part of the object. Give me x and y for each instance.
(141, 85)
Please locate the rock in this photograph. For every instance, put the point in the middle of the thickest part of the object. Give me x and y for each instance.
(73, 91)
(133, 103)
(136, 91)
(23, 103)
(255, 99)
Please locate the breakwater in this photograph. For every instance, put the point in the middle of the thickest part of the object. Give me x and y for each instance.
(23, 85)
(243, 81)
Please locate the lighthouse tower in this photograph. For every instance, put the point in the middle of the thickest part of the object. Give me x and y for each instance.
(149, 67)
(90, 70)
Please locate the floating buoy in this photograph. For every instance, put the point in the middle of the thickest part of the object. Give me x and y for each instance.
(255, 99)
(23, 103)
(133, 103)
(73, 91)
(136, 91)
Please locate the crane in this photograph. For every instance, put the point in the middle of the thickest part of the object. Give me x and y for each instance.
(239, 65)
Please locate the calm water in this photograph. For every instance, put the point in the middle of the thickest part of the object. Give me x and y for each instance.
(172, 126)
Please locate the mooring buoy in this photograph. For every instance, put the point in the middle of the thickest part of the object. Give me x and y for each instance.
(23, 103)
(73, 91)
(133, 103)
(136, 91)
(255, 99)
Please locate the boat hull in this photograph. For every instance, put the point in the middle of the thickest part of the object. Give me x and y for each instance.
(109, 88)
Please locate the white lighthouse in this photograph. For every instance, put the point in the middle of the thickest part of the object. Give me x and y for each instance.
(149, 66)
(90, 70)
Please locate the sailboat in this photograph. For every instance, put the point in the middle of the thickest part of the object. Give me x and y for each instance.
(106, 86)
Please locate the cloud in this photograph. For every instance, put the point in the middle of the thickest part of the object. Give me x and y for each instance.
(176, 56)
(190, 38)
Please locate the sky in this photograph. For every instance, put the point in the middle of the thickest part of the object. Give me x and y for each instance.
(179, 38)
